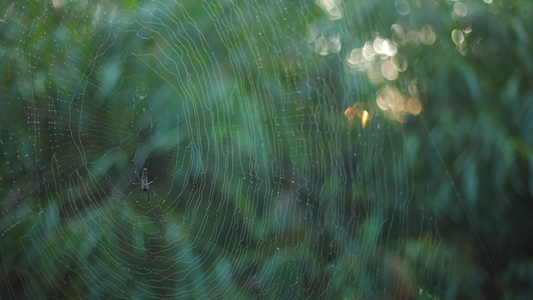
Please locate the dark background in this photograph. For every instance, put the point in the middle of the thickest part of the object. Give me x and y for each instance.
(271, 190)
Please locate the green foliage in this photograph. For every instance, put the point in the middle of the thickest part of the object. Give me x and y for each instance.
(238, 110)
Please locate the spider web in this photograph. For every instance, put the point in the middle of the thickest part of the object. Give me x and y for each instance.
(249, 118)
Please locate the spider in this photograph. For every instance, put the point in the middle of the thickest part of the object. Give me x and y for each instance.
(144, 185)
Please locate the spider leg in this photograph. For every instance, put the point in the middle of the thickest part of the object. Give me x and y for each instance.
(162, 200)
(137, 202)
(152, 180)
(131, 194)
(135, 171)
(150, 203)
(133, 164)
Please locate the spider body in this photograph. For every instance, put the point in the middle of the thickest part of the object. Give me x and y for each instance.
(144, 186)
(144, 179)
